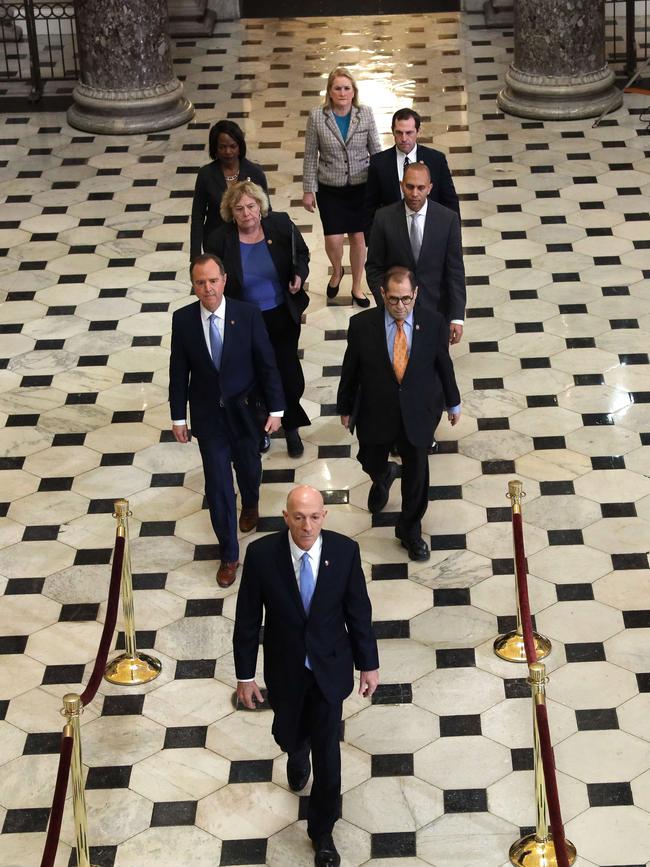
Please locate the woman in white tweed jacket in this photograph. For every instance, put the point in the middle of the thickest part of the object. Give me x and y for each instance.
(341, 135)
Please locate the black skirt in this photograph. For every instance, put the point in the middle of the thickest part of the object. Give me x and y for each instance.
(342, 209)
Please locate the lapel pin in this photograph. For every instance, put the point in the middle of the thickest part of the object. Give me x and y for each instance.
(327, 562)
(270, 241)
(417, 327)
(232, 321)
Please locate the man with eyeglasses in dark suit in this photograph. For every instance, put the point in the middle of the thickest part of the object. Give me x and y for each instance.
(396, 380)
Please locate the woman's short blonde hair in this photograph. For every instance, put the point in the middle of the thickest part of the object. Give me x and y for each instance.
(233, 195)
(341, 72)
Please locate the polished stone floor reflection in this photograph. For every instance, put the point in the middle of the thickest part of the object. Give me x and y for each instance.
(555, 377)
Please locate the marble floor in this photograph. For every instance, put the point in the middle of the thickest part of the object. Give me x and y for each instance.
(555, 377)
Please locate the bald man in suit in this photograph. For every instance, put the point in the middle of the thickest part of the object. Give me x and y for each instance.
(309, 585)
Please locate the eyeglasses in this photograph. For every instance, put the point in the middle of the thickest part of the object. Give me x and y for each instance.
(393, 301)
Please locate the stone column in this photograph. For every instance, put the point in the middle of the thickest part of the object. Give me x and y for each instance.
(127, 81)
(559, 70)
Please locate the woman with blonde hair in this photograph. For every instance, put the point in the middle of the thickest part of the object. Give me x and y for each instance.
(341, 135)
(267, 263)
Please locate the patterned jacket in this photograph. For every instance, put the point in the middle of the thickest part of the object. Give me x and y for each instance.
(332, 161)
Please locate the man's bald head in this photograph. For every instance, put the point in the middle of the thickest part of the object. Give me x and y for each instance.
(304, 515)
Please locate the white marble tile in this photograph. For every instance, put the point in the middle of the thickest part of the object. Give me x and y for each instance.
(247, 810)
(392, 804)
(158, 847)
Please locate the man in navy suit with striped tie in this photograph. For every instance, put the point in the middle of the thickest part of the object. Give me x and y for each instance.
(221, 359)
(309, 585)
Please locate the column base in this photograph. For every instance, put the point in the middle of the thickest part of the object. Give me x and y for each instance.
(555, 97)
(128, 112)
(190, 18)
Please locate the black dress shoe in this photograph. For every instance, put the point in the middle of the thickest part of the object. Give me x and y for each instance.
(433, 448)
(363, 302)
(379, 491)
(265, 444)
(333, 291)
(298, 771)
(326, 854)
(295, 448)
(417, 549)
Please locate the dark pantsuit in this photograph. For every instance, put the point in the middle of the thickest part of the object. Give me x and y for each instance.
(373, 458)
(284, 334)
(217, 453)
(314, 726)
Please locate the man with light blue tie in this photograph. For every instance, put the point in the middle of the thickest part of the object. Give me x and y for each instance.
(221, 361)
(309, 585)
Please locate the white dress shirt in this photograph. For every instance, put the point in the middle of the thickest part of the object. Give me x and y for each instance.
(296, 558)
(314, 557)
(399, 156)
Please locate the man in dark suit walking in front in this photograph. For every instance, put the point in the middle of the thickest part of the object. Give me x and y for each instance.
(386, 168)
(424, 237)
(310, 586)
(397, 378)
(220, 357)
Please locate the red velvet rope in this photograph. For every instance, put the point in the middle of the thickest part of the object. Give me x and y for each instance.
(522, 587)
(548, 761)
(109, 624)
(552, 794)
(58, 803)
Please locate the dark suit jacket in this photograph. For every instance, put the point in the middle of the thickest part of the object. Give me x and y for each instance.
(247, 362)
(439, 271)
(277, 226)
(369, 387)
(383, 186)
(336, 635)
(208, 190)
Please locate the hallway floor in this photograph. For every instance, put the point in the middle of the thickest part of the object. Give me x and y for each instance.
(555, 378)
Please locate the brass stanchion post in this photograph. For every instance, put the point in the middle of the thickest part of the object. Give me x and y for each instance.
(132, 667)
(510, 646)
(538, 849)
(72, 709)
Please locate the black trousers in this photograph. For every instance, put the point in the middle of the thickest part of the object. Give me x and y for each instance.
(415, 479)
(218, 452)
(284, 335)
(314, 724)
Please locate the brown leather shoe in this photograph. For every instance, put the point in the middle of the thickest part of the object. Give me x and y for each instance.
(226, 573)
(248, 519)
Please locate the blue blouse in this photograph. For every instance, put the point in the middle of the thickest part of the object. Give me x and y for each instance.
(261, 284)
(343, 123)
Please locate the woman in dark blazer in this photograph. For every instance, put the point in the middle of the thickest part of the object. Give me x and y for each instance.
(267, 263)
(229, 165)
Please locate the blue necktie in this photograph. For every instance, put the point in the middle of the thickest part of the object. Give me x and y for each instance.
(216, 343)
(307, 585)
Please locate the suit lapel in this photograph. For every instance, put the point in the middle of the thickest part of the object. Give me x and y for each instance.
(403, 233)
(199, 333)
(233, 254)
(332, 125)
(286, 570)
(392, 173)
(428, 229)
(382, 345)
(323, 578)
(354, 123)
(416, 343)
